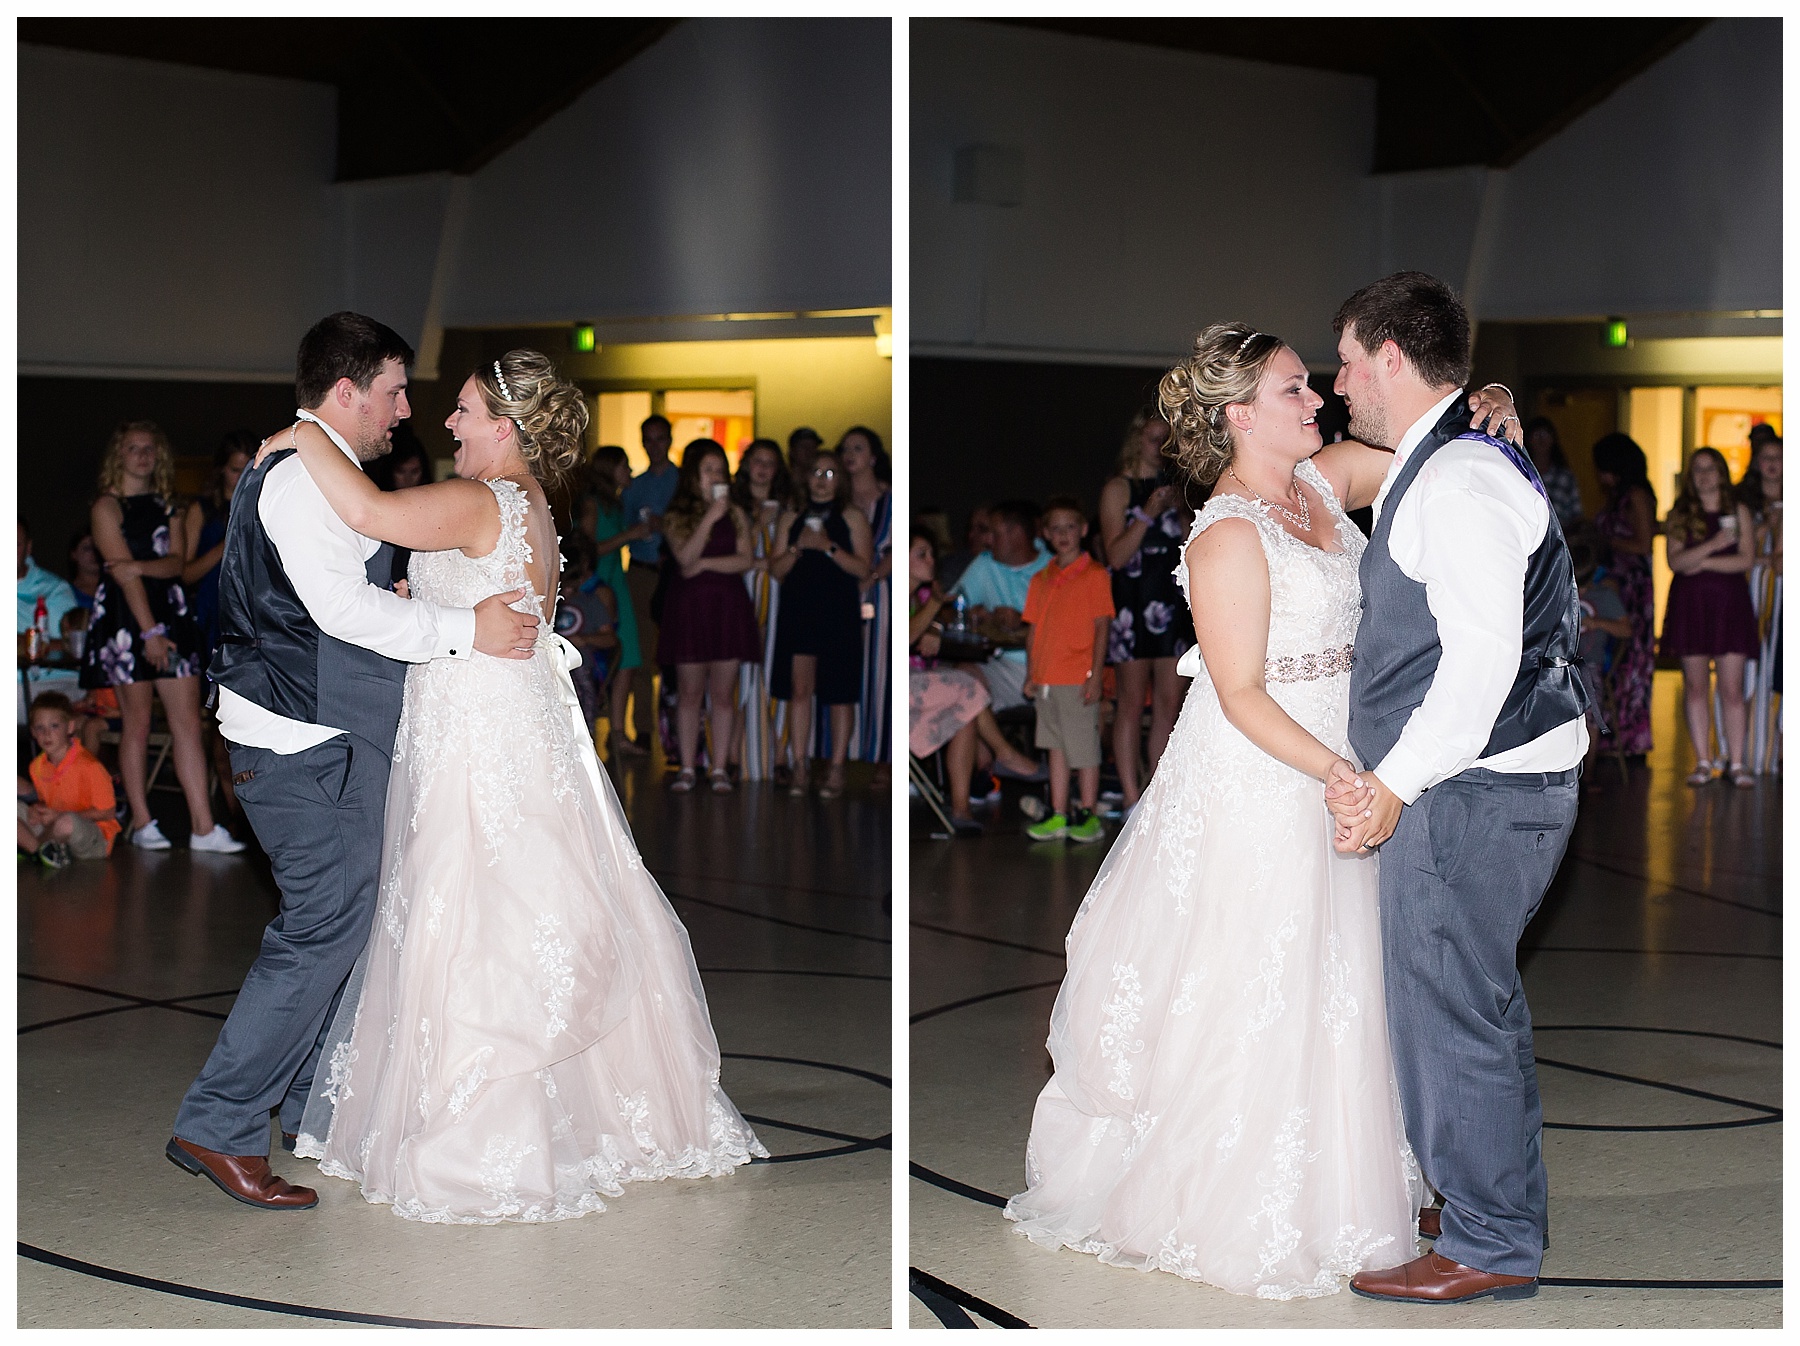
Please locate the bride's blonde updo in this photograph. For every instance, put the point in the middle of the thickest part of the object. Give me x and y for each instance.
(551, 415)
(1226, 367)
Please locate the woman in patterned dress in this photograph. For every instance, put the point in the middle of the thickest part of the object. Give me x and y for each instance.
(141, 634)
(1628, 523)
(761, 489)
(870, 470)
(525, 1031)
(1143, 518)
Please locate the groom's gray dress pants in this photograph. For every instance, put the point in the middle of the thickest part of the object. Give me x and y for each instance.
(1465, 870)
(318, 814)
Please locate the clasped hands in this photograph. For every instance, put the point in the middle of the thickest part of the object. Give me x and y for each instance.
(1365, 810)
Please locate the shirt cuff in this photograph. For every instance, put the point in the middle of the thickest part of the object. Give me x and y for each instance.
(456, 633)
(1405, 773)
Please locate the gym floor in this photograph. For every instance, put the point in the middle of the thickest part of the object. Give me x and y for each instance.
(128, 965)
(1653, 972)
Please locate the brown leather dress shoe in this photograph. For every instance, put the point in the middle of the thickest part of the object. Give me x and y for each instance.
(1437, 1280)
(244, 1178)
(1430, 1221)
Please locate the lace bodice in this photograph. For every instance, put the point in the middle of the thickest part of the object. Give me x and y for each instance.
(458, 581)
(468, 714)
(1314, 596)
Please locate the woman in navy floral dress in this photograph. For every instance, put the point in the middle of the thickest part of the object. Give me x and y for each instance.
(1143, 525)
(141, 633)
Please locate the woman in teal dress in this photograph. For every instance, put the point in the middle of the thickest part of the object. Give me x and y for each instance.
(604, 517)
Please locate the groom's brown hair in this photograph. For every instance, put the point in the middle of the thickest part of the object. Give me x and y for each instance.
(344, 346)
(1419, 314)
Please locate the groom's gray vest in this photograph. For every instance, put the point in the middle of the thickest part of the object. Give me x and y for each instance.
(1397, 649)
(273, 654)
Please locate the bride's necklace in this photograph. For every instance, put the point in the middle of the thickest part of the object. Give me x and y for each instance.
(1302, 520)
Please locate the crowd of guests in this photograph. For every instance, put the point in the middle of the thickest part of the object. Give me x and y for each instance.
(750, 622)
(748, 608)
(1013, 618)
(138, 621)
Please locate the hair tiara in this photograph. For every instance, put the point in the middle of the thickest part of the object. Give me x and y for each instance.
(501, 380)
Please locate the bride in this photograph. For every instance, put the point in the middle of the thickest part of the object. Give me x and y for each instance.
(525, 1031)
(1223, 1104)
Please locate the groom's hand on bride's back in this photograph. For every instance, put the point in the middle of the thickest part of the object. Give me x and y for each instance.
(502, 632)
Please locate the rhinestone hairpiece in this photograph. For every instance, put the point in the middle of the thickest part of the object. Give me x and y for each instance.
(501, 380)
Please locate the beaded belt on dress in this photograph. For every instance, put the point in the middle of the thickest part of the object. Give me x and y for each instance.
(1307, 667)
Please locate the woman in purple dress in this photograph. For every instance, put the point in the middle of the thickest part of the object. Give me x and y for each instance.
(708, 626)
(1628, 523)
(1709, 620)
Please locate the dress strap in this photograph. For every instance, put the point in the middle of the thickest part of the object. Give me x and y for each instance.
(514, 548)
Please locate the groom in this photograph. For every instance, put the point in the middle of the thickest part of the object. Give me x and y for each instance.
(1466, 709)
(311, 668)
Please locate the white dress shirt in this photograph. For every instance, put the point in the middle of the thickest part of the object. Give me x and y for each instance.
(325, 561)
(1466, 529)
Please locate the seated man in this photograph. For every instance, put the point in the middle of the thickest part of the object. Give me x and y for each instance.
(34, 583)
(995, 585)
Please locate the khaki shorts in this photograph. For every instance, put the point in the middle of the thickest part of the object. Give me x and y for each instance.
(1066, 722)
(86, 840)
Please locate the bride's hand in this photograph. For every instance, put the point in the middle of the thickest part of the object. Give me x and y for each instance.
(1491, 411)
(1346, 795)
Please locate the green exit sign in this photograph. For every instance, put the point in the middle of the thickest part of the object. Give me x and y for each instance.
(581, 337)
(1615, 332)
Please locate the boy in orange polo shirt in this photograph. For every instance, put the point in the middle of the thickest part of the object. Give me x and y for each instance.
(1067, 612)
(73, 818)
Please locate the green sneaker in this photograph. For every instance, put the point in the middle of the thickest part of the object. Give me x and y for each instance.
(1088, 829)
(1050, 829)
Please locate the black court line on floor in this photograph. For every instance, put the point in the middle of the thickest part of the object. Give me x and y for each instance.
(986, 939)
(778, 887)
(1645, 953)
(76, 1265)
(854, 1145)
(1668, 888)
(923, 1015)
(775, 920)
(949, 1302)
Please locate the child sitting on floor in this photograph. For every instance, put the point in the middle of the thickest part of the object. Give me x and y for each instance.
(74, 814)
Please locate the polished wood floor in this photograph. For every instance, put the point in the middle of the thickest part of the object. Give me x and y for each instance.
(126, 967)
(1654, 977)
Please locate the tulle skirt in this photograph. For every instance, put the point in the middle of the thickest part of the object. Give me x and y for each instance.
(525, 1031)
(1223, 1104)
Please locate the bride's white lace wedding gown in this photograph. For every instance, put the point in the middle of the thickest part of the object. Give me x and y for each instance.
(526, 1030)
(1223, 1104)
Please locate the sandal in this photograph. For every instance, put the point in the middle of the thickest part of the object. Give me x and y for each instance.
(834, 782)
(1702, 773)
(684, 781)
(625, 747)
(798, 782)
(1741, 776)
(721, 780)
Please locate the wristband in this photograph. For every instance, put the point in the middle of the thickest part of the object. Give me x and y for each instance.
(1137, 515)
(160, 629)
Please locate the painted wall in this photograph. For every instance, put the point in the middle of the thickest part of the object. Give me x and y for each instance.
(184, 221)
(1664, 198)
(735, 166)
(171, 218)
(1152, 205)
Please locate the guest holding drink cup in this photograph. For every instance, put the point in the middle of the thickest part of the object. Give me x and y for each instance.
(1709, 622)
(709, 627)
(823, 554)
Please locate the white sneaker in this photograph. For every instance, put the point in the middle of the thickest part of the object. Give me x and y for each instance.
(149, 837)
(218, 840)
